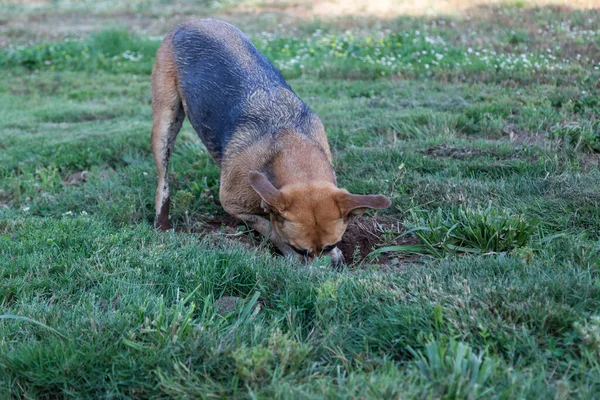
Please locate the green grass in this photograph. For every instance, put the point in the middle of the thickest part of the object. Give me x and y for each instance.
(463, 230)
(494, 172)
(327, 55)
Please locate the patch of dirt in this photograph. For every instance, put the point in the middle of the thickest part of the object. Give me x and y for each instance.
(227, 304)
(383, 8)
(310, 8)
(590, 161)
(362, 237)
(522, 138)
(465, 152)
(459, 153)
(75, 178)
(231, 229)
(367, 234)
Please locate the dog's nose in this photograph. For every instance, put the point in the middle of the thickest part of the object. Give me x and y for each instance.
(319, 253)
(302, 252)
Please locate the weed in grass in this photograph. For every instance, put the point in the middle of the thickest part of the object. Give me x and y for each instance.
(516, 38)
(454, 370)
(466, 231)
(589, 333)
(584, 136)
(260, 364)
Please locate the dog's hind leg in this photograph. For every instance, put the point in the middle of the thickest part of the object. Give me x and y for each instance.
(167, 114)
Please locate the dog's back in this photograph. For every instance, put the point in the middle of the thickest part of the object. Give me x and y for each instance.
(227, 84)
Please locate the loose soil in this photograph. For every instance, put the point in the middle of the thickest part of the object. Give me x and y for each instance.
(362, 237)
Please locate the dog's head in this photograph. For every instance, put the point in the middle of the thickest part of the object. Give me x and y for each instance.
(312, 218)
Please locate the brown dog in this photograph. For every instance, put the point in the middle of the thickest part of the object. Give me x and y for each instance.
(276, 171)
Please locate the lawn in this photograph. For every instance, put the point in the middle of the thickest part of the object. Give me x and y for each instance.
(480, 122)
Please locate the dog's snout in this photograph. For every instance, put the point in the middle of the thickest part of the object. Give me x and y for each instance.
(315, 251)
(330, 247)
(302, 252)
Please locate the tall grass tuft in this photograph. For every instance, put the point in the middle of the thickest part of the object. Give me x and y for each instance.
(464, 230)
(454, 370)
(583, 136)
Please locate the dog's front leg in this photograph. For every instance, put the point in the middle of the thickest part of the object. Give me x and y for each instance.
(263, 226)
(337, 258)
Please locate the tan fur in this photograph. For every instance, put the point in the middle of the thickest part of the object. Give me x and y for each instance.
(167, 116)
(303, 171)
(294, 200)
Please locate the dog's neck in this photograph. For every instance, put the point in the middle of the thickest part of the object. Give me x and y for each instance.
(300, 160)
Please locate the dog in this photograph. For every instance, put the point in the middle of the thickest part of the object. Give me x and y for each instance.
(276, 166)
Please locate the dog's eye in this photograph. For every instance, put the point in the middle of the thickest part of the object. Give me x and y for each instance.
(279, 219)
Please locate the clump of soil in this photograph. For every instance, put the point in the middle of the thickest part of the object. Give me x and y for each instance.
(367, 234)
(227, 304)
(75, 178)
(459, 153)
(231, 228)
(362, 237)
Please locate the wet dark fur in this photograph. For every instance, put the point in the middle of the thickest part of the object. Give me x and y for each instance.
(222, 76)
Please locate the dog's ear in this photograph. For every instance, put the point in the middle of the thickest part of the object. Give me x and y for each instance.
(265, 189)
(356, 204)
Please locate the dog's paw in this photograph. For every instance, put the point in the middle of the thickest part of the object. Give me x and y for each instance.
(337, 258)
(163, 225)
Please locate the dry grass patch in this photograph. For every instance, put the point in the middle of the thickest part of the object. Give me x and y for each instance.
(394, 8)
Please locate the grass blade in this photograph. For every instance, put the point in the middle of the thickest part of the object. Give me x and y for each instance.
(33, 321)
